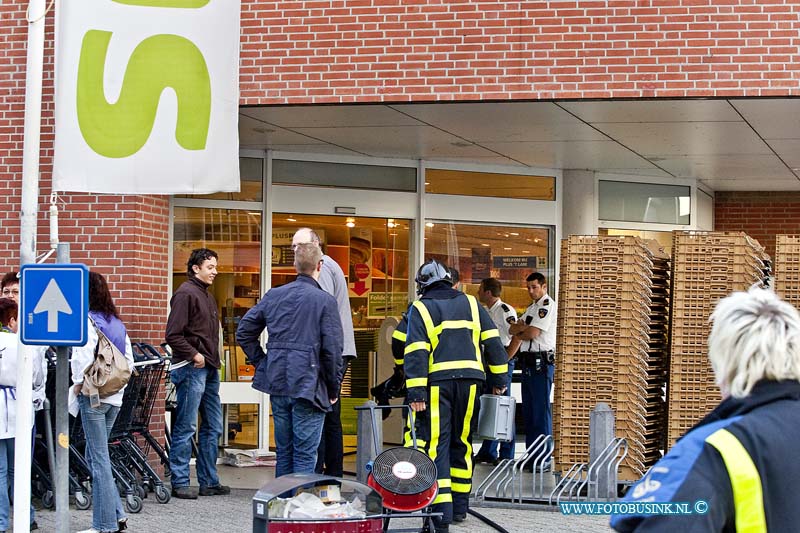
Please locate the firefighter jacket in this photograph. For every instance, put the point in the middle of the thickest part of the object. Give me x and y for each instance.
(736, 470)
(446, 331)
(399, 339)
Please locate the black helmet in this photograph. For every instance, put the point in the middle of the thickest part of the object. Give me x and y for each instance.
(430, 272)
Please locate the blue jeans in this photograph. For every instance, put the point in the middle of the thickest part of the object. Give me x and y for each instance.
(97, 423)
(489, 447)
(6, 479)
(536, 410)
(298, 429)
(197, 392)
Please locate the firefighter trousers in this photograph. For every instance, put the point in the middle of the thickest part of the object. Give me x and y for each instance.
(444, 431)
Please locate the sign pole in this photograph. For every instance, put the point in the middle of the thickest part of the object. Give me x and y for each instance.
(62, 423)
(30, 190)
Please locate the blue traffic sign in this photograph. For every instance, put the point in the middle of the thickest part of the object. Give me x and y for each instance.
(54, 304)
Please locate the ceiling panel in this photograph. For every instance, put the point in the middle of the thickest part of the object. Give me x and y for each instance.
(504, 122)
(571, 155)
(788, 150)
(254, 133)
(727, 167)
(400, 141)
(772, 118)
(653, 111)
(752, 185)
(686, 138)
(329, 116)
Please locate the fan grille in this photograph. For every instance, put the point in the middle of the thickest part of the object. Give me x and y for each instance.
(382, 471)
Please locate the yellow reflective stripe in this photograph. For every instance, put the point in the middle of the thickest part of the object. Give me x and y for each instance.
(455, 324)
(465, 440)
(499, 369)
(462, 487)
(399, 335)
(435, 421)
(455, 365)
(417, 382)
(748, 497)
(489, 334)
(414, 346)
(399, 362)
(476, 328)
(443, 498)
(428, 321)
(444, 483)
(460, 472)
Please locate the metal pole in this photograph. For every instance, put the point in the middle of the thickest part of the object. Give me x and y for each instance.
(27, 255)
(62, 423)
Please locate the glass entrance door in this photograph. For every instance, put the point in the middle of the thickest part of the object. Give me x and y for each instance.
(236, 237)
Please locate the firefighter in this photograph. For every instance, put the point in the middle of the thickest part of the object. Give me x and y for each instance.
(444, 375)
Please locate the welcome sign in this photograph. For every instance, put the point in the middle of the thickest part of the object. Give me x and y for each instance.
(147, 96)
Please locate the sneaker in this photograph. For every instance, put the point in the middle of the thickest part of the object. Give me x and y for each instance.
(122, 525)
(459, 517)
(185, 493)
(218, 490)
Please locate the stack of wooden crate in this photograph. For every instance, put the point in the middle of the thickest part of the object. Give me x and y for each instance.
(706, 266)
(787, 268)
(611, 347)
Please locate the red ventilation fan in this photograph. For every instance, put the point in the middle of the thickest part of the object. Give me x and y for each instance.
(405, 478)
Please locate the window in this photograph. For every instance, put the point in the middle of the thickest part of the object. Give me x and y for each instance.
(465, 183)
(312, 173)
(644, 202)
(504, 252)
(251, 172)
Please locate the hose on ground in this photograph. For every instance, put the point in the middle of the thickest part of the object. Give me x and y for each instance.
(487, 521)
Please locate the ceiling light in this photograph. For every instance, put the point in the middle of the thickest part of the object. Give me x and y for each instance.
(390, 223)
(506, 248)
(514, 234)
(484, 244)
(351, 223)
(427, 183)
(537, 240)
(429, 224)
(526, 251)
(466, 249)
(290, 219)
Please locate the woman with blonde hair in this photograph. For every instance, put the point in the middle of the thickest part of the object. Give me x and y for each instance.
(736, 468)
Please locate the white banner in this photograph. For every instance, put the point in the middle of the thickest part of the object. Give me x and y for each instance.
(147, 96)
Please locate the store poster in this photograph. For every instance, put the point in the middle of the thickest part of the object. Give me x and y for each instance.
(383, 304)
(360, 274)
(481, 263)
(282, 253)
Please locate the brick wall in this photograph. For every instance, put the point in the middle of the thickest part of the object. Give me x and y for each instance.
(124, 237)
(417, 50)
(762, 215)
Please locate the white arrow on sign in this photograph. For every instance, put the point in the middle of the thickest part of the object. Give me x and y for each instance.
(52, 302)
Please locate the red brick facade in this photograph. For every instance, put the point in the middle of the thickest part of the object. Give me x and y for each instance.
(762, 215)
(416, 50)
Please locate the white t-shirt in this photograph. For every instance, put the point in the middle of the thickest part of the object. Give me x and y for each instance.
(542, 315)
(501, 314)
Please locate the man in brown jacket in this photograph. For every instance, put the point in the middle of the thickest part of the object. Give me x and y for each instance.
(193, 336)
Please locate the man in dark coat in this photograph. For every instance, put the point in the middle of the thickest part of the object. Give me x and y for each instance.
(301, 368)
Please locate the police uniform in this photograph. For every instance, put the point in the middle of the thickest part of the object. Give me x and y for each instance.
(503, 315)
(444, 368)
(536, 358)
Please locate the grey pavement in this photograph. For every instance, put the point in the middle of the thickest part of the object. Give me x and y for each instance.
(233, 513)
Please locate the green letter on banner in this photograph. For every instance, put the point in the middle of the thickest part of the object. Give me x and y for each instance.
(161, 61)
(191, 4)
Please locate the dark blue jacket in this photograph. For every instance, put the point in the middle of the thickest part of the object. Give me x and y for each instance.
(767, 423)
(304, 346)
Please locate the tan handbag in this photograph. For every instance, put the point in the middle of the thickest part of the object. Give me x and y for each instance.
(109, 372)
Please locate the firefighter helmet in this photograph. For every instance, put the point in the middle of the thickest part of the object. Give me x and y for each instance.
(430, 272)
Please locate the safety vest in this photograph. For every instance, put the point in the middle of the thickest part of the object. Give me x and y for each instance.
(748, 497)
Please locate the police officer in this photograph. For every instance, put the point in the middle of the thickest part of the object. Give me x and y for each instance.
(445, 375)
(503, 315)
(534, 335)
